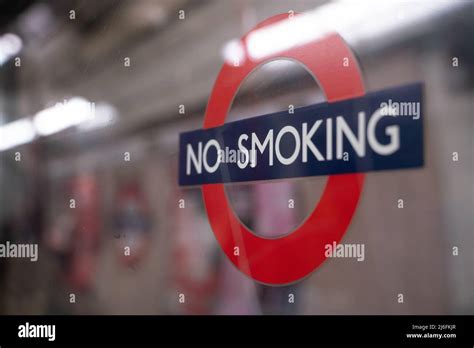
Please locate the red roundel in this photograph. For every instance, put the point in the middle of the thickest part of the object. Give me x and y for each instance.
(289, 258)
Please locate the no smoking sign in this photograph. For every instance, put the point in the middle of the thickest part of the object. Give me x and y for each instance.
(280, 146)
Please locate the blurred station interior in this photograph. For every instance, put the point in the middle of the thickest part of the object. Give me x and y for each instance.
(85, 187)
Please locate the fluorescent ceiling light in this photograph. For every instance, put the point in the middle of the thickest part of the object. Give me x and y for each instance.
(63, 115)
(76, 112)
(234, 52)
(16, 133)
(10, 45)
(355, 21)
(104, 115)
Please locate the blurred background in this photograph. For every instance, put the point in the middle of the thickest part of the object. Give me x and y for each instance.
(93, 96)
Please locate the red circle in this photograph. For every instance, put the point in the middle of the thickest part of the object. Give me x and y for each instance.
(292, 257)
